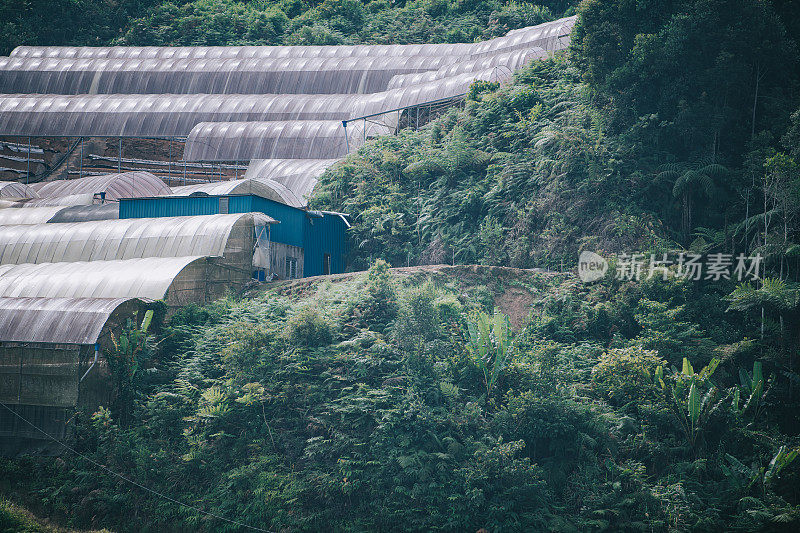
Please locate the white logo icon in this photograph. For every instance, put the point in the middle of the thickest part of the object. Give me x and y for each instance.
(591, 267)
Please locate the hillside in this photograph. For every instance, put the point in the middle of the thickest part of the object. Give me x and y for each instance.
(359, 404)
(461, 377)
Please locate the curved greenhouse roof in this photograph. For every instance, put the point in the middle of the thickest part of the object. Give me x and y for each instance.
(299, 176)
(300, 139)
(63, 201)
(510, 60)
(59, 320)
(339, 75)
(549, 36)
(149, 277)
(32, 215)
(86, 213)
(14, 189)
(169, 115)
(104, 240)
(240, 186)
(115, 186)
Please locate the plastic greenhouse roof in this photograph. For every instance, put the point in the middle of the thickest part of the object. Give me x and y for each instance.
(32, 215)
(13, 189)
(56, 320)
(298, 75)
(115, 186)
(299, 139)
(299, 176)
(148, 277)
(103, 240)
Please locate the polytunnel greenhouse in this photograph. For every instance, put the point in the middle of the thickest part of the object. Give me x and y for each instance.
(111, 186)
(213, 154)
(223, 235)
(148, 277)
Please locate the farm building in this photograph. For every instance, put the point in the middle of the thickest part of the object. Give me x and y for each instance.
(51, 364)
(305, 243)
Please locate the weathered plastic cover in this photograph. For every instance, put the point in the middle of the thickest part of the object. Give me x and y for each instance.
(240, 186)
(86, 213)
(115, 186)
(14, 189)
(298, 176)
(56, 320)
(33, 215)
(340, 75)
(148, 277)
(63, 201)
(299, 139)
(204, 235)
(509, 60)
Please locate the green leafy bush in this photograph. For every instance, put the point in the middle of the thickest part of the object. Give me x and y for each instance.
(624, 375)
(309, 327)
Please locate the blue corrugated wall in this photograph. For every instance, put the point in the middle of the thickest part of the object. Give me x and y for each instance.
(317, 233)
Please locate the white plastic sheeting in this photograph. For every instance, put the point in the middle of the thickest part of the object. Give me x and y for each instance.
(64, 201)
(169, 115)
(33, 215)
(57, 320)
(115, 186)
(300, 139)
(14, 189)
(510, 61)
(550, 36)
(104, 240)
(298, 176)
(292, 75)
(131, 278)
(264, 188)
(241, 186)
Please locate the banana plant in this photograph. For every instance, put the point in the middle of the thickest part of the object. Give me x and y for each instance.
(752, 388)
(489, 344)
(693, 397)
(130, 343)
(765, 475)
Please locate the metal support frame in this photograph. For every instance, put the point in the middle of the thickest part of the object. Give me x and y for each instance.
(28, 171)
(119, 157)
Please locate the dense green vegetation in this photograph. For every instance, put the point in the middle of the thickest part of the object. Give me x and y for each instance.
(260, 22)
(404, 401)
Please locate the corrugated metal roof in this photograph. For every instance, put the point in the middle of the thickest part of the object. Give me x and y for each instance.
(56, 320)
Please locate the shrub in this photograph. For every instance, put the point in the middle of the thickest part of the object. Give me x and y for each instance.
(624, 375)
(308, 327)
(380, 306)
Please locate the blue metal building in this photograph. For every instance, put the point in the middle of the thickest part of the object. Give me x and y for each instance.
(321, 235)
